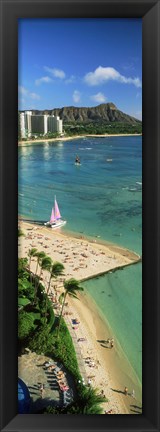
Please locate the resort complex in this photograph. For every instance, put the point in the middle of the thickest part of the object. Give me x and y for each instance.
(34, 125)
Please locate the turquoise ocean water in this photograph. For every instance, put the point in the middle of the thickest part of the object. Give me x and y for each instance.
(100, 199)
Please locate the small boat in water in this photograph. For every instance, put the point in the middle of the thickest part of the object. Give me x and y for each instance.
(109, 160)
(56, 220)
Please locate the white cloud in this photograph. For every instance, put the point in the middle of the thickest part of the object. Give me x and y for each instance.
(76, 96)
(70, 80)
(99, 97)
(25, 92)
(22, 90)
(57, 73)
(104, 74)
(44, 79)
(34, 96)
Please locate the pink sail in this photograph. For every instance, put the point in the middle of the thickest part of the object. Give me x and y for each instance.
(52, 218)
(56, 209)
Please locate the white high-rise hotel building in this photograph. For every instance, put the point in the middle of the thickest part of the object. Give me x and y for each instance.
(31, 124)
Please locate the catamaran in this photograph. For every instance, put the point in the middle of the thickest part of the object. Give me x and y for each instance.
(56, 220)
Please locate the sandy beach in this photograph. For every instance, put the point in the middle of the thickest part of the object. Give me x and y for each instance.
(83, 259)
(67, 138)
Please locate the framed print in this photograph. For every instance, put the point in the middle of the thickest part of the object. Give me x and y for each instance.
(81, 188)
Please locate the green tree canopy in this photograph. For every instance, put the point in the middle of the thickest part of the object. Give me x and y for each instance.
(25, 324)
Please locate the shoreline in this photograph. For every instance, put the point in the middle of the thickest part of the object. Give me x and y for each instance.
(36, 141)
(115, 371)
(111, 374)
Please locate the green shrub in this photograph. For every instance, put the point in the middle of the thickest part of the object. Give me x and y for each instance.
(51, 317)
(25, 324)
(22, 264)
(26, 289)
(42, 341)
(64, 350)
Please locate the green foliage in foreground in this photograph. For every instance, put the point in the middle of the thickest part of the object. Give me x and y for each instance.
(42, 341)
(25, 324)
(64, 350)
(89, 402)
(36, 315)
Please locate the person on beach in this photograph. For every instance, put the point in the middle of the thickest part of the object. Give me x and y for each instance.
(133, 394)
(41, 390)
(102, 394)
(126, 391)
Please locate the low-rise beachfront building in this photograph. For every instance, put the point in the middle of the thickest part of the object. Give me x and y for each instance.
(31, 124)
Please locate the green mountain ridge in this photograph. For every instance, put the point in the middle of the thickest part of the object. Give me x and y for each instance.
(103, 113)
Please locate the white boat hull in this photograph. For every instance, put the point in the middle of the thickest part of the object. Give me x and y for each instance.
(57, 224)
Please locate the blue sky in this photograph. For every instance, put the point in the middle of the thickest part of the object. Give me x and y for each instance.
(80, 62)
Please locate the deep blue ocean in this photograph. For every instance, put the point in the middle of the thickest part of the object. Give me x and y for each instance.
(100, 198)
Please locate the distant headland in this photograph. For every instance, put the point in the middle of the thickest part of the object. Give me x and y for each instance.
(103, 119)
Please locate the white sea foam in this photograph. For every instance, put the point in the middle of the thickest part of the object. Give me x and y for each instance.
(85, 148)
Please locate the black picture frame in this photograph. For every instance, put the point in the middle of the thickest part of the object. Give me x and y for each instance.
(149, 11)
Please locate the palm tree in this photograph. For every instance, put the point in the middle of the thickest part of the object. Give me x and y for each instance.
(88, 402)
(32, 252)
(45, 264)
(71, 287)
(91, 401)
(55, 271)
(40, 256)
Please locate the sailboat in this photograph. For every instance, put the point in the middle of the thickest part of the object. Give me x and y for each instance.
(56, 220)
